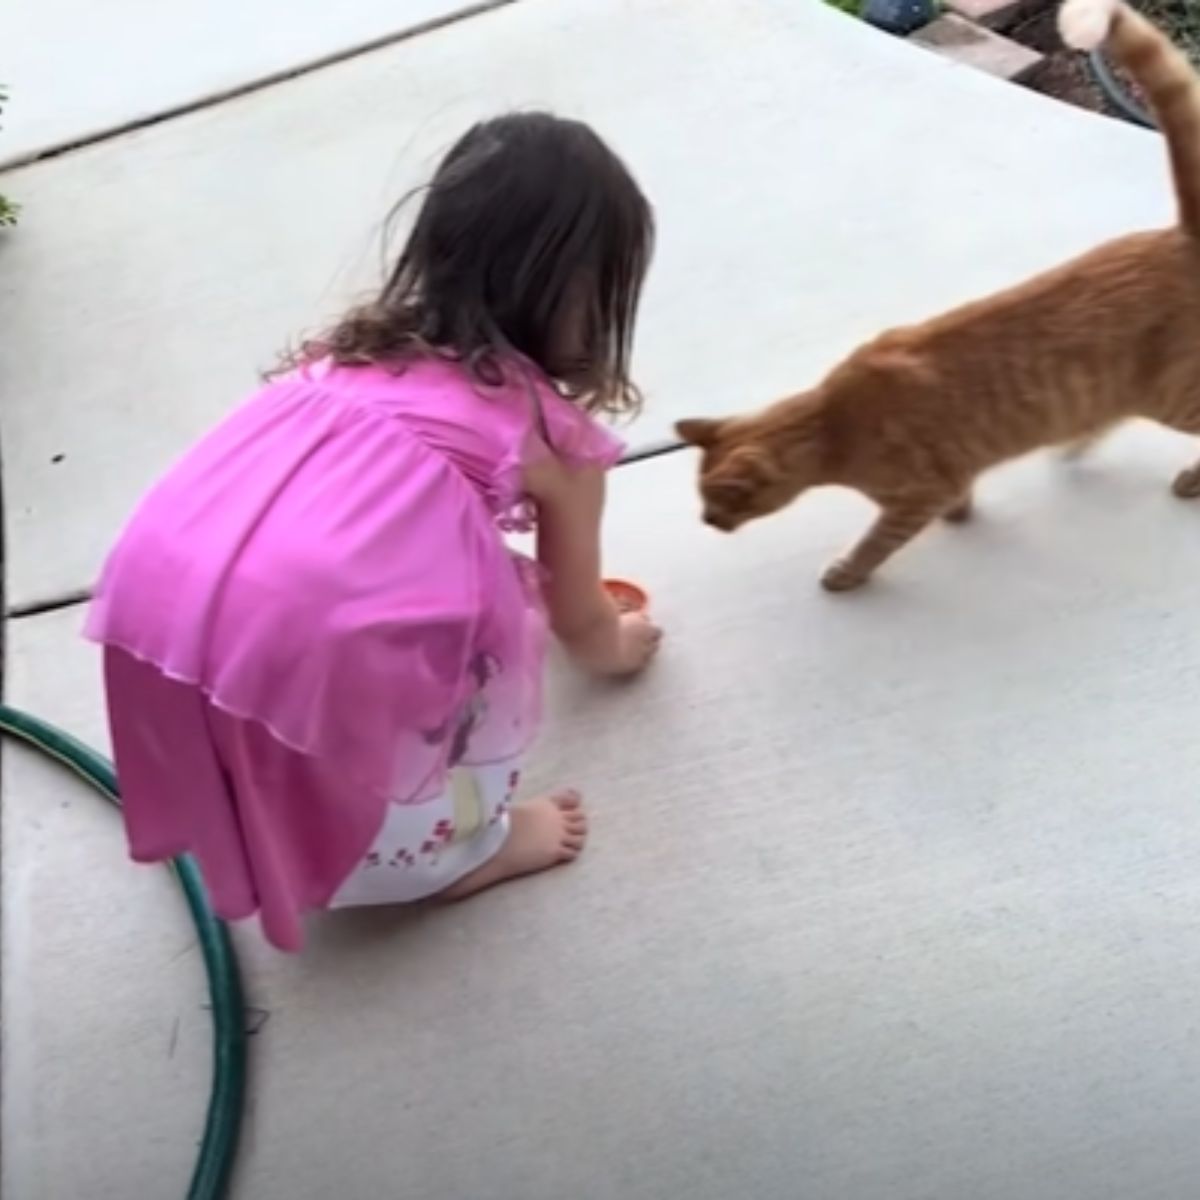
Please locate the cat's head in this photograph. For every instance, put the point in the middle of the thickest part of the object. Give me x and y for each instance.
(751, 467)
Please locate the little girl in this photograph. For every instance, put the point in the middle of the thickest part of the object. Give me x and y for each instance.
(322, 663)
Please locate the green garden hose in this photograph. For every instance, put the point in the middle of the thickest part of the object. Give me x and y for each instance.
(226, 1102)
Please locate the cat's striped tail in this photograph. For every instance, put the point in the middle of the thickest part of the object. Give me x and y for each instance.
(1165, 75)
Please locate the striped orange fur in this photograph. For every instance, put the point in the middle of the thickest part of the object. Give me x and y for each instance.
(913, 417)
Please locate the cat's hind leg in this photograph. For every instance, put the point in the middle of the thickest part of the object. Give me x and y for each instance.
(896, 526)
(1186, 484)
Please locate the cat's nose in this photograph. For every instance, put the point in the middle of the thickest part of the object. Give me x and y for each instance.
(719, 521)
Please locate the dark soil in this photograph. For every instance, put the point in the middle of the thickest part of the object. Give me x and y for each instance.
(1066, 76)
(1062, 74)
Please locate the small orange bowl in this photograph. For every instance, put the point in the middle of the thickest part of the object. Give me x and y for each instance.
(628, 596)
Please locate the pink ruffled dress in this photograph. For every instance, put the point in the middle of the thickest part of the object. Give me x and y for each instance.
(301, 612)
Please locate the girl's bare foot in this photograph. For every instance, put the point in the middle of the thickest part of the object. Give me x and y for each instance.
(543, 833)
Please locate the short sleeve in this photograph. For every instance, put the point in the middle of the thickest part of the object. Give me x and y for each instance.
(540, 424)
(570, 434)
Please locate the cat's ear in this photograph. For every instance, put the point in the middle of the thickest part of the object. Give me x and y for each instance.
(699, 431)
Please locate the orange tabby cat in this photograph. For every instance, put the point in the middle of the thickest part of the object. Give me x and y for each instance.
(913, 417)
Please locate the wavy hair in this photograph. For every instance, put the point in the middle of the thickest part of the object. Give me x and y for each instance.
(532, 239)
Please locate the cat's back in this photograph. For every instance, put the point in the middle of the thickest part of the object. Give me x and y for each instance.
(1102, 307)
(1112, 333)
(1113, 289)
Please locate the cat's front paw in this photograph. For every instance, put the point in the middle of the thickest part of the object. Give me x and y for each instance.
(842, 576)
(1187, 483)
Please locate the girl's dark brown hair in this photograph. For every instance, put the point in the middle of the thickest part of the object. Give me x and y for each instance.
(532, 238)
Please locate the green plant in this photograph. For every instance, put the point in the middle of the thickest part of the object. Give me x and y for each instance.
(847, 6)
(8, 210)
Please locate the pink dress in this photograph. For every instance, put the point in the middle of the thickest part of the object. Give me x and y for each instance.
(301, 612)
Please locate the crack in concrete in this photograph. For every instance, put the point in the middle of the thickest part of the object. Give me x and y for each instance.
(212, 99)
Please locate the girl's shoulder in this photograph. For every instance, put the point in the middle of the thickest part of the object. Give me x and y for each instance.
(552, 426)
(519, 412)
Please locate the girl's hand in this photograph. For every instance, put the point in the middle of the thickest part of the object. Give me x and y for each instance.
(638, 640)
(622, 644)
(597, 635)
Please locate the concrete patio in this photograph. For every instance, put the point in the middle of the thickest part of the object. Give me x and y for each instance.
(890, 897)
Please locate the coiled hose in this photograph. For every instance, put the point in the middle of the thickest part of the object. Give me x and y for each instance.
(1117, 93)
(226, 1102)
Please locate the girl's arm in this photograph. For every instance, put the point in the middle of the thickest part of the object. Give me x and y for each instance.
(582, 614)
